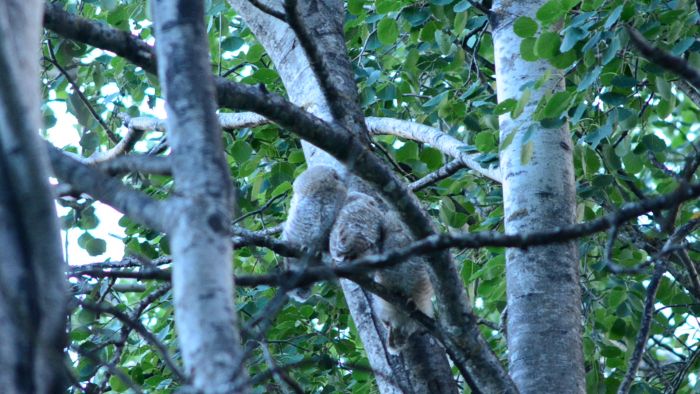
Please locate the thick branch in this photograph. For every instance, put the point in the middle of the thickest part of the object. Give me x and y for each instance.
(132, 203)
(160, 165)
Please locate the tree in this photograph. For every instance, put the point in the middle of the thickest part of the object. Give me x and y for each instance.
(548, 143)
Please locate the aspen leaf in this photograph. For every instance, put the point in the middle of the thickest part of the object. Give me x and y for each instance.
(527, 152)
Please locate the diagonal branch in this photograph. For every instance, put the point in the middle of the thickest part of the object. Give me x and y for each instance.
(675, 64)
(643, 334)
(130, 202)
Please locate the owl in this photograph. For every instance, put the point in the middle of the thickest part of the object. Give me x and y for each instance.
(358, 228)
(363, 228)
(318, 195)
(410, 278)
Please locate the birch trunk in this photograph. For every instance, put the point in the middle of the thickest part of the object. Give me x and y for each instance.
(414, 372)
(202, 287)
(32, 289)
(543, 294)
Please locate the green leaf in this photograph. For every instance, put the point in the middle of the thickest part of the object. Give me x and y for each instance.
(232, 44)
(571, 37)
(505, 143)
(117, 384)
(564, 60)
(462, 6)
(654, 143)
(682, 46)
(387, 31)
(527, 152)
(436, 100)
(431, 157)
(96, 247)
(355, 7)
(90, 141)
(595, 137)
(504, 106)
(613, 17)
(485, 141)
(522, 102)
(613, 98)
(525, 27)
(588, 79)
(550, 12)
(527, 49)
(557, 104)
(547, 45)
(241, 151)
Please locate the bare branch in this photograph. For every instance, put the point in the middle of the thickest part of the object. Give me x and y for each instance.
(123, 146)
(658, 56)
(434, 137)
(132, 203)
(441, 173)
(111, 367)
(76, 88)
(243, 237)
(239, 120)
(160, 165)
(643, 334)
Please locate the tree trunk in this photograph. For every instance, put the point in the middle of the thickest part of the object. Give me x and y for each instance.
(413, 372)
(202, 288)
(543, 294)
(32, 289)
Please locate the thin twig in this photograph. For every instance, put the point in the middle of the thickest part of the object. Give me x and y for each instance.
(113, 369)
(139, 328)
(643, 334)
(441, 173)
(259, 210)
(113, 137)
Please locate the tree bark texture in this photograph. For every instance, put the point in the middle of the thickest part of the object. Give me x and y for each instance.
(32, 289)
(412, 372)
(543, 293)
(200, 241)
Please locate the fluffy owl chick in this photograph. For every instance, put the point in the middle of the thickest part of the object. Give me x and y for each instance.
(318, 195)
(410, 278)
(362, 228)
(358, 228)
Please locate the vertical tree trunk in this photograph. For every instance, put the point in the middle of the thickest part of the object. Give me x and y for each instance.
(32, 287)
(202, 287)
(544, 302)
(415, 372)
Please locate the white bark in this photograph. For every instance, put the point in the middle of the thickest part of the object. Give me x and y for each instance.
(33, 293)
(439, 140)
(434, 137)
(303, 90)
(202, 288)
(544, 304)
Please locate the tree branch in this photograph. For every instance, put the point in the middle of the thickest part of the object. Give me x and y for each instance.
(159, 165)
(435, 138)
(441, 173)
(658, 56)
(132, 203)
(643, 334)
(141, 330)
